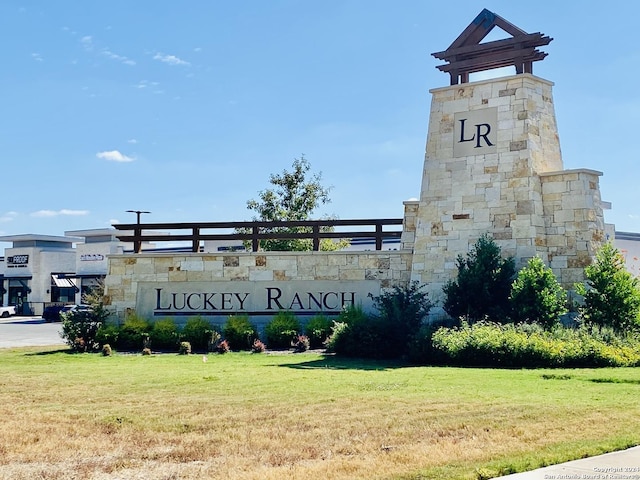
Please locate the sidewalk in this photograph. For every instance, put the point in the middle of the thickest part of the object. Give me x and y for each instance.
(622, 465)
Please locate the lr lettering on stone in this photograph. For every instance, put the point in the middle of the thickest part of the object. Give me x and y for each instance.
(482, 132)
(309, 300)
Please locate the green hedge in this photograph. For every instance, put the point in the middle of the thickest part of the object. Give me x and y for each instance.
(492, 344)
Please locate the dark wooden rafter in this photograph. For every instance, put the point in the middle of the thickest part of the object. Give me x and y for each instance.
(467, 55)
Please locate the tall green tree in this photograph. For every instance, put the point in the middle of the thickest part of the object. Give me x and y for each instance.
(537, 296)
(611, 294)
(483, 285)
(295, 195)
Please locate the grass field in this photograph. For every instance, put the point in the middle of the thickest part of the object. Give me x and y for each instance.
(302, 416)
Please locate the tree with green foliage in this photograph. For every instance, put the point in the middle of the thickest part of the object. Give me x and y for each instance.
(80, 327)
(483, 285)
(537, 296)
(294, 197)
(611, 294)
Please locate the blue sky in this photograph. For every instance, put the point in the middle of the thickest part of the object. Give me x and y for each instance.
(185, 108)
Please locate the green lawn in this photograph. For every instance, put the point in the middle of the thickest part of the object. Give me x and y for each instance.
(299, 416)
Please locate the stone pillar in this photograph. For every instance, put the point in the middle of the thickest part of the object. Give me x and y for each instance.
(488, 144)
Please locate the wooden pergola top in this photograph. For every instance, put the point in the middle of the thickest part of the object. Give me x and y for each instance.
(467, 55)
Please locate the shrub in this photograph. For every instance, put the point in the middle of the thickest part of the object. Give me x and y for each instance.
(108, 334)
(482, 287)
(197, 331)
(223, 347)
(355, 334)
(184, 348)
(612, 294)
(79, 330)
(491, 344)
(281, 330)
(537, 296)
(106, 350)
(240, 332)
(258, 346)
(133, 332)
(146, 351)
(401, 311)
(164, 335)
(318, 329)
(300, 343)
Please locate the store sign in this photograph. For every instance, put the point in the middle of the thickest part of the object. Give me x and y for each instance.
(91, 257)
(17, 261)
(253, 298)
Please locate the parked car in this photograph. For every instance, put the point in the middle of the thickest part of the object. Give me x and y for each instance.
(7, 311)
(52, 313)
(75, 308)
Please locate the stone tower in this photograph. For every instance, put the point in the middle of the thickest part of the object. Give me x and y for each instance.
(493, 165)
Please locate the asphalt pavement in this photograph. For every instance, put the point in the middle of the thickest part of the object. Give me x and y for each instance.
(29, 332)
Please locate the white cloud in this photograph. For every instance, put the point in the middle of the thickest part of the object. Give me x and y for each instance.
(87, 42)
(37, 57)
(54, 213)
(8, 217)
(132, 140)
(120, 58)
(170, 59)
(114, 156)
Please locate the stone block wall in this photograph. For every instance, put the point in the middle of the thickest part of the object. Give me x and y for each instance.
(388, 268)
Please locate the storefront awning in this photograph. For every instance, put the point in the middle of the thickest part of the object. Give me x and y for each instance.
(62, 282)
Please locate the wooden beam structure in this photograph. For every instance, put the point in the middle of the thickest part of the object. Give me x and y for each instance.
(467, 55)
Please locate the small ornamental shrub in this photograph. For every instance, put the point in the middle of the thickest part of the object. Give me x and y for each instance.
(184, 348)
(79, 330)
(239, 332)
(281, 330)
(258, 346)
(133, 332)
(214, 340)
(106, 350)
(223, 347)
(612, 294)
(300, 343)
(318, 329)
(483, 285)
(197, 331)
(537, 296)
(164, 335)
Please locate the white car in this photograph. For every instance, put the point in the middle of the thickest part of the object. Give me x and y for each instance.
(7, 311)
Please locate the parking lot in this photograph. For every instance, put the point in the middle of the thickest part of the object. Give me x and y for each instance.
(28, 331)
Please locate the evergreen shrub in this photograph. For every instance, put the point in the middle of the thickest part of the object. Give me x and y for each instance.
(197, 331)
(132, 333)
(165, 335)
(611, 294)
(318, 329)
(482, 287)
(239, 332)
(281, 330)
(537, 296)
